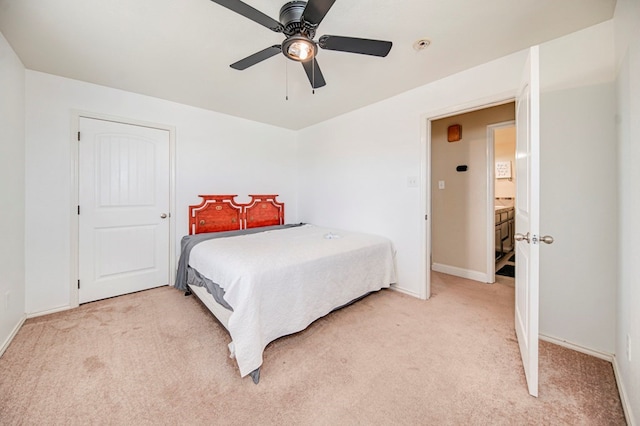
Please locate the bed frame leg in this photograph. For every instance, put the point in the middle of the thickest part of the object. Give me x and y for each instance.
(255, 375)
(188, 293)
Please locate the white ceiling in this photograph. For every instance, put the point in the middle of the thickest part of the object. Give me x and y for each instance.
(180, 50)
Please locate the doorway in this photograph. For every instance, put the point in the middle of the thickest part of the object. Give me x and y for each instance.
(501, 145)
(462, 173)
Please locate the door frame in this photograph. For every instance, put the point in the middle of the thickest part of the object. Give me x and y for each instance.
(73, 208)
(425, 172)
(491, 182)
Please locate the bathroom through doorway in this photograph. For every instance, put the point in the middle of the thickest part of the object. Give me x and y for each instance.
(463, 191)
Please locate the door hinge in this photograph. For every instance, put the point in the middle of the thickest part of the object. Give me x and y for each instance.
(78, 284)
(78, 209)
(426, 217)
(78, 136)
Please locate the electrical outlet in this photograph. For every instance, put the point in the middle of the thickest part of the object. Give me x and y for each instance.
(440, 184)
(629, 347)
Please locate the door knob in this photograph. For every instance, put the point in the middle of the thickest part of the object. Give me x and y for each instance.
(547, 239)
(163, 216)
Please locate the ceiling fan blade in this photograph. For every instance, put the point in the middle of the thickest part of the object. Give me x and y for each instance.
(313, 73)
(355, 45)
(315, 10)
(251, 13)
(260, 56)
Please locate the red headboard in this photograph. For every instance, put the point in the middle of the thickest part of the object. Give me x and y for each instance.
(221, 213)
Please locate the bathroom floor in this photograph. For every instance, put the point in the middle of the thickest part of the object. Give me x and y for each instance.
(506, 266)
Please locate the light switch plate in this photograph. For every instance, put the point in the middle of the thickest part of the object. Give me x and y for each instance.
(440, 184)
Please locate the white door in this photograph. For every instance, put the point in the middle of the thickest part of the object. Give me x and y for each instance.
(528, 217)
(123, 208)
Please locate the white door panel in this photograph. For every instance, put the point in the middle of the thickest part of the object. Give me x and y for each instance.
(125, 250)
(527, 218)
(127, 175)
(123, 195)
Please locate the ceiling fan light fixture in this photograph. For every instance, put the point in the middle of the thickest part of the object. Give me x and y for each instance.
(299, 48)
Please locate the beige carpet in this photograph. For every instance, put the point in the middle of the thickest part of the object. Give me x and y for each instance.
(157, 357)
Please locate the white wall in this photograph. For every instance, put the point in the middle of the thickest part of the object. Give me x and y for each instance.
(627, 21)
(579, 209)
(578, 198)
(12, 169)
(215, 154)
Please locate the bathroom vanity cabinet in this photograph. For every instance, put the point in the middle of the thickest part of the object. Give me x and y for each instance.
(505, 228)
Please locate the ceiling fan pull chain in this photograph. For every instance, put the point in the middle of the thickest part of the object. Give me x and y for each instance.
(286, 80)
(313, 75)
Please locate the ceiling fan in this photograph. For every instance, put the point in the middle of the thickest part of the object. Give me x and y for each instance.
(299, 21)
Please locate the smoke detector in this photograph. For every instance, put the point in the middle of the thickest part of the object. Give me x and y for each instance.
(421, 44)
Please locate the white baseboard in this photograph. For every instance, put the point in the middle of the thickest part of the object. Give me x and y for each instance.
(460, 272)
(20, 323)
(48, 311)
(624, 399)
(405, 291)
(13, 333)
(561, 342)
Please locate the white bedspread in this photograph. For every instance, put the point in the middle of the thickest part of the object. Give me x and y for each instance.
(279, 282)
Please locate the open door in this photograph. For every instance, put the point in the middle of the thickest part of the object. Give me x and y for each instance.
(528, 217)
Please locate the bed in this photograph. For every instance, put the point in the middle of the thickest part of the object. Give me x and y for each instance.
(263, 279)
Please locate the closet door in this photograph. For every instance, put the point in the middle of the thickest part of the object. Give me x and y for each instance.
(123, 208)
